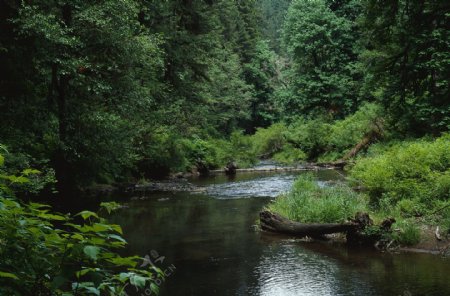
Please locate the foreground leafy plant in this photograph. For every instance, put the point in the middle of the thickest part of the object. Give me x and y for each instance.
(48, 253)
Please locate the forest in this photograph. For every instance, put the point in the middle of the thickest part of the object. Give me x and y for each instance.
(124, 91)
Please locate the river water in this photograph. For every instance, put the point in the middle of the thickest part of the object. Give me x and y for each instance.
(208, 245)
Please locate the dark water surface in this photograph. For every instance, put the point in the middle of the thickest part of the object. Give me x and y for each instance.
(208, 245)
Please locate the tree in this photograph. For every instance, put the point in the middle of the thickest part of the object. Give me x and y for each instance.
(90, 68)
(324, 72)
(274, 13)
(408, 57)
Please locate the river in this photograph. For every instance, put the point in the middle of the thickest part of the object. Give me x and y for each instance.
(208, 244)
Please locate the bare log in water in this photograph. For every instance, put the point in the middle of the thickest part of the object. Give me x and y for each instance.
(276, 223)
(353, 229)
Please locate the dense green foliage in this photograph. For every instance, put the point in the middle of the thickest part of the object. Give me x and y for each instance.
(408, 58)
(104, 91)
(110, 91)
(274, 13)
(115, 91)
(324, 76)
(48, 253)
(409, 179)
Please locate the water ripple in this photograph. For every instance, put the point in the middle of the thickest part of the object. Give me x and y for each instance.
(271, 186)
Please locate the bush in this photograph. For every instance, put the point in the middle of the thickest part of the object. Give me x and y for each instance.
(47, 253)
(307, 202)
(416, 170)
(312, 137)
(161, 151)
(241, 150)
(289, 154)
(348, 132)
(268, 141)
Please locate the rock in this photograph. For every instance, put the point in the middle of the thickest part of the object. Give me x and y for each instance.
(230, 168)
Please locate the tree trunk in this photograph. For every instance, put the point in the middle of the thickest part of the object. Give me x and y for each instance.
(276, 223)
(354, 229)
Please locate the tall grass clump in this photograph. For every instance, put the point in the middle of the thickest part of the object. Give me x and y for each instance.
(308, 203)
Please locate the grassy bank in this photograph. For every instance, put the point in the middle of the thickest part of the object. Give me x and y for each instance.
(409, 181)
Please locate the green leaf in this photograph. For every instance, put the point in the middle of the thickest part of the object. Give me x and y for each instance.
(87, 214)
(52, 217)
(85, 271)
(78, 236)
(110, 206)
(2, 160)
(154, 287)
(128, 261)
(8, 275)
(28, 172)
(117, 237)
(92, 252)
(138, 281)
(97, 227)
(116, 228)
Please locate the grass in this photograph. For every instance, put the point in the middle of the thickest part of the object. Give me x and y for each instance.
(309, 203)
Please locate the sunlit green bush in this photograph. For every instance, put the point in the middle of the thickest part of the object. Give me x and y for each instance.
(417, 170)
(350, 131)
(289, 154)
(241, 150)
(268, 141)
(311, 136)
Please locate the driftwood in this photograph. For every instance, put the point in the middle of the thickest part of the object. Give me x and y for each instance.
(354, 229)
(276, 223)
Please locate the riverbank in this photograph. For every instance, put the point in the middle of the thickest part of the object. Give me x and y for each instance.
(310, 204)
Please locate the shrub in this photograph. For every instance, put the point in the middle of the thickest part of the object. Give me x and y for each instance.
(268, 141)
(289, 154)
(241, 150)
(307, 202)
(416, 170)
(312, 136)
(47, 253)
(350, 131)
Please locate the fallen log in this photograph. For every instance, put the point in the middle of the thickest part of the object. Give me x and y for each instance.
(354, 229)
(276, 223)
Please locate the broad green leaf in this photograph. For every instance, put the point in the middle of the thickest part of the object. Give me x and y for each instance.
(8, 275)
(97, 227)
(92, 252)
(154, 287)
(138, 281)
(124, 276)
(117, 237)
(87, 214)
(85, 271)
(52, 217)
(78, 236)
(127, 261)
(116, 228)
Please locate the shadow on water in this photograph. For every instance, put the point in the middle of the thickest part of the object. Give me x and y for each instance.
(211, 241)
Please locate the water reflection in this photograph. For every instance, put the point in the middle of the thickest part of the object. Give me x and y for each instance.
(216, 251)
